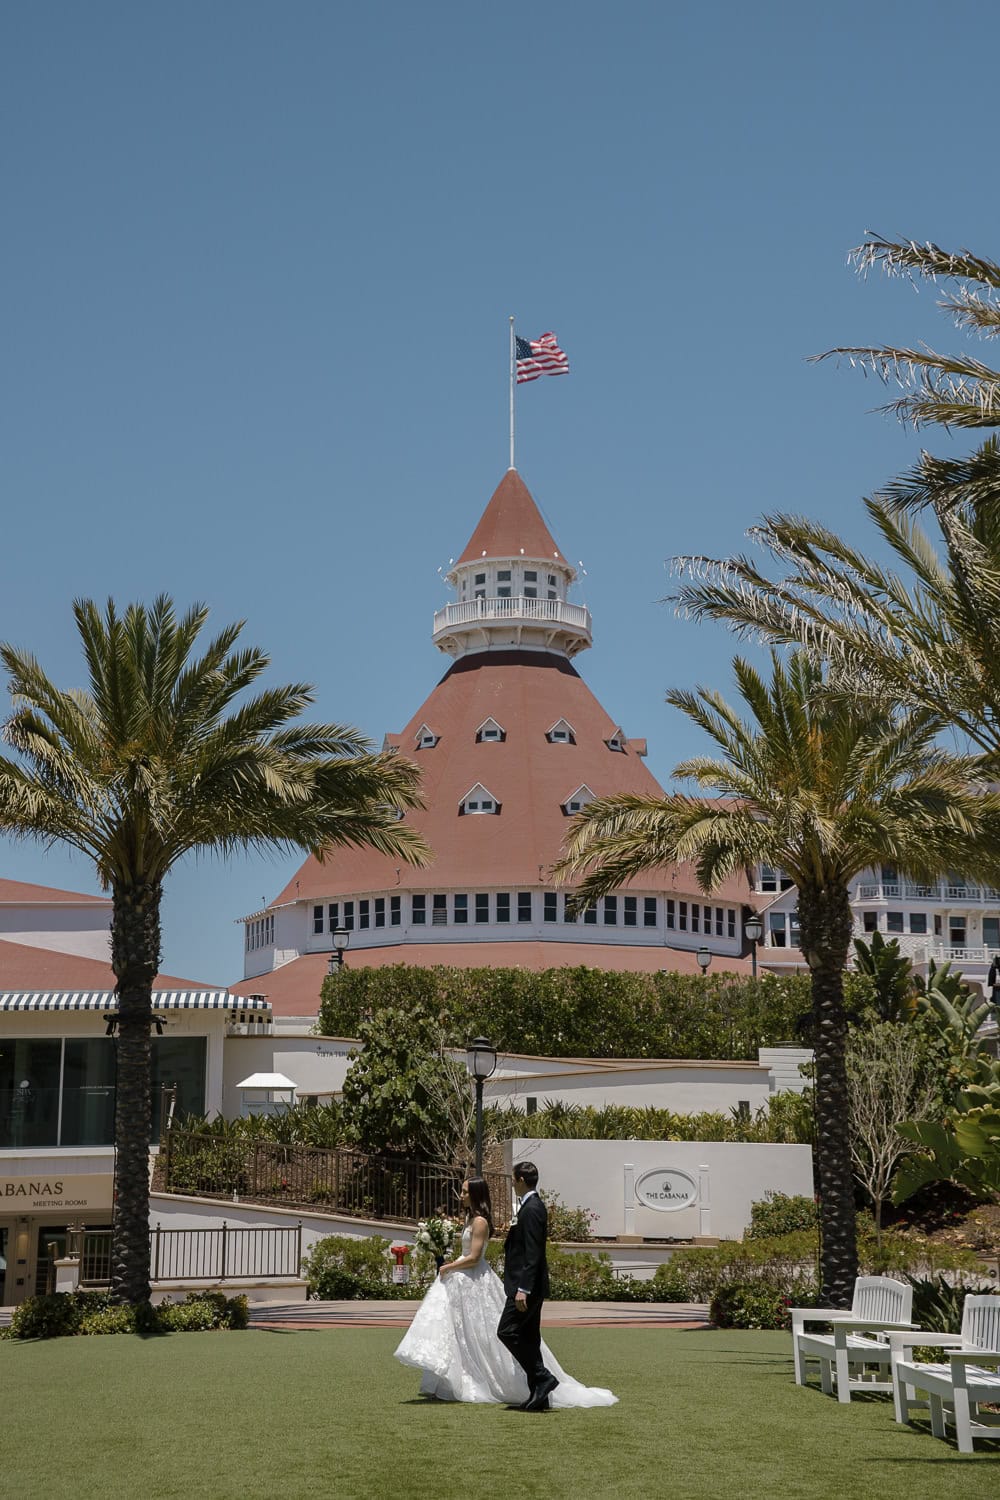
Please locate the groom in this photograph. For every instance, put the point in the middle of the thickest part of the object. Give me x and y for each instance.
(526, 1282)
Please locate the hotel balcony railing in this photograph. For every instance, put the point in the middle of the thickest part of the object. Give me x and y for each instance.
(895, 890)
(545, 611)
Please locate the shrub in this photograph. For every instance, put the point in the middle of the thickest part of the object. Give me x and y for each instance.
(938, 1304)
(339, 1268)
(47, 1317)
(754, 1304)
(781, 1213)
(110, 1319)
(94, 1313)
(567, 1223)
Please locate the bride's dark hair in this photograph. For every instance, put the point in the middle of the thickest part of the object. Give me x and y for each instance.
(479, 1200)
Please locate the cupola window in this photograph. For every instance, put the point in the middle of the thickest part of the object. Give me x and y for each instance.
(561, 733)
(490, 730)
(479, 800)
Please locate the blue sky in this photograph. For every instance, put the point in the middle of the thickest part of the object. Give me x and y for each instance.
(259, 261)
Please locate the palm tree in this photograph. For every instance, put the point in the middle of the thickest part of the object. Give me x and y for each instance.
(925, 632)
(153, 761)
(821, 787)
(943, 389)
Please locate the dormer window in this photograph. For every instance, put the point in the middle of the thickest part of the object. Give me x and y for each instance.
(561, 733)
(577, 801)
(479, 800)
(616, 741)
(490, 730)
(426, 738)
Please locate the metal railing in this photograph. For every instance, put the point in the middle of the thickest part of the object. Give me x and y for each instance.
(353, 1183)
(227, 1252)
(892, 890)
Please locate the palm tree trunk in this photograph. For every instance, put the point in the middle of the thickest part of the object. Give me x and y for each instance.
(826, 926)
(135, 958)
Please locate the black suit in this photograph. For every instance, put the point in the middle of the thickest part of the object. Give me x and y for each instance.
(525, 1269)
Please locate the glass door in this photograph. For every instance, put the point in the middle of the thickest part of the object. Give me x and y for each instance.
(6, 1245)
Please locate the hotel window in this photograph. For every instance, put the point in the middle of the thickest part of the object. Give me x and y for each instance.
(490, 730)
(503, 575)
(682, 915)
(696, 917)
(439, 914)
(479, 578)
(379, 911)
(524, 906)
(461, 912)
(590, 916)
(550, 907)
(779, 933)
(720, 921)
(317, 919)
(956, 932)
(631, 911)
(918, 923)
(561, 734)
(419, 916)
(394, 911)
(363, 914)
(771, 879)
(333, 916)
(610, 911)
(615, 743)
(530, 575)
(730, 922)
(649, 911)
(479, 801)
(794, 929)
(552, 593)
(551, 580)
(894, 921)
(349, 915)
(869, 920)
(670, 912)
(426, 738)
(991, 933)
(503, 592)
(568, 913)
(482, 906)
(530, 593)
(503, 906)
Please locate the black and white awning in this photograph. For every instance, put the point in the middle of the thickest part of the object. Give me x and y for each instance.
(107, 1000)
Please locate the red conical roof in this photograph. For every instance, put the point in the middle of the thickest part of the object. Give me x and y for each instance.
(511, 526)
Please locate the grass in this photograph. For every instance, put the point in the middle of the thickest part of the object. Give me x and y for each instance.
(330, 1413)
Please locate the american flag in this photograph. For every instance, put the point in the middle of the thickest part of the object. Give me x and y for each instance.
(541, 356)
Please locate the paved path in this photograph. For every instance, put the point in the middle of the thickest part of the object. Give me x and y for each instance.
(557, 1314)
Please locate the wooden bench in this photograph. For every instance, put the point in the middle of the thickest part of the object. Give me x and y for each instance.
(957, 1389)
(846, 1355)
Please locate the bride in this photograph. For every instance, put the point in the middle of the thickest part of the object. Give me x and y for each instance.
(453, 1340)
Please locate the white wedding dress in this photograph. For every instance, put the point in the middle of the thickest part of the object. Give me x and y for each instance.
(453, 1342)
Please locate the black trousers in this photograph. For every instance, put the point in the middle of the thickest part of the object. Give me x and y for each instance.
(521, 1332)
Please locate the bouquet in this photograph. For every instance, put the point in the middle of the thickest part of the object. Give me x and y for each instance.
(438, 1235)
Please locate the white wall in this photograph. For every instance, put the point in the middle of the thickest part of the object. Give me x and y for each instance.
(591, 1174)
(685, 1088)
(315, 1064)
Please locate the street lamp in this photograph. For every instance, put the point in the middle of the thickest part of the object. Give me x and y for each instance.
(341, 938)
(481, 1061)
(753, 931)
(704, 957)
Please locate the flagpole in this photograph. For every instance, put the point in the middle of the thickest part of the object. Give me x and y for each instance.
(512, 364)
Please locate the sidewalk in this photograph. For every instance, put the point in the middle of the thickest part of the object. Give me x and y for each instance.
(556, 1315)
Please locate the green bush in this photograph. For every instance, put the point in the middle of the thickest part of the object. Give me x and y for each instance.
(339, 1268)
(93, 1313)
(781, 1213)
(581, 1012)
(786, 1262)
(567, 1223)
(938, 1304)
(753, 1304)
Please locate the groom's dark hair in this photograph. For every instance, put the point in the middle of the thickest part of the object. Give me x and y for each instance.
(527, 1172)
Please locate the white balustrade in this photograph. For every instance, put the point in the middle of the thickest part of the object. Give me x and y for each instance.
(554, 611)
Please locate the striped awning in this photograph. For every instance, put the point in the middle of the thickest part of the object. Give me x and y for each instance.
(108, 1000)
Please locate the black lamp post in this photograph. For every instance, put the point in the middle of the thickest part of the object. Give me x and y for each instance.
(753, 931)
(704, 957)
(341, 938)
(481, 1061)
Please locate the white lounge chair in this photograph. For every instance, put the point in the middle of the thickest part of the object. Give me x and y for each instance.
(956, 1389)
(880, 1304)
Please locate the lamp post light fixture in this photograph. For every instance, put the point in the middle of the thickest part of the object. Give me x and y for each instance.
(341, 938)
(753, 931)
(704, 957)
(481, 1061)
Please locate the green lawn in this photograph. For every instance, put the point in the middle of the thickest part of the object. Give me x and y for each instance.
(290, 1414)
